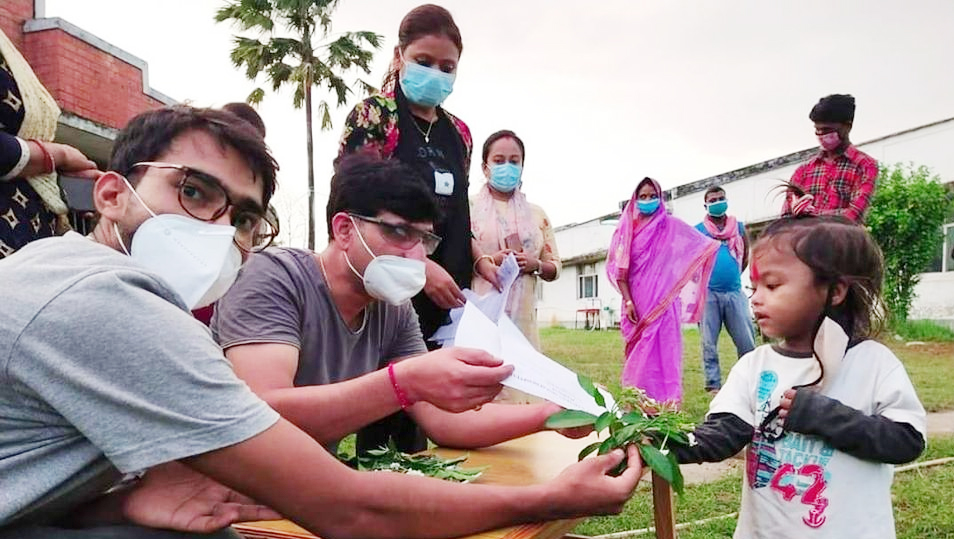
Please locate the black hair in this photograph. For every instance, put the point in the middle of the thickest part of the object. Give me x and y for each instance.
(713, 189)
(246, 112)
(837, 250)
(503, 133)
(149, 134)
(366, 185)
(835, 108)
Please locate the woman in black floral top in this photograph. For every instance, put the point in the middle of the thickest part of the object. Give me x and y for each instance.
(30, 203)
(406, 122)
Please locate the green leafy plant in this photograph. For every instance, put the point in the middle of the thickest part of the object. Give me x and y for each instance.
(908, 208)
(389, 459)
(633, 419)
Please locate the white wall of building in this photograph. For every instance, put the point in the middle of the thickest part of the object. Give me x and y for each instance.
(752, 199)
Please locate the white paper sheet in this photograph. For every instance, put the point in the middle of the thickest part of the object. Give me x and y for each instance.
(492, 304)
(831, 345)
(534, 373)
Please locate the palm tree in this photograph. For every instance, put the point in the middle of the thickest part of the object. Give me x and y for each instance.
(296, 59)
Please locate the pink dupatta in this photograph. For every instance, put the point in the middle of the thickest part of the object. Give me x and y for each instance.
(667, 264)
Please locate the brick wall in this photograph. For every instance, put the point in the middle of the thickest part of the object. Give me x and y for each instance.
(84, 80)
(12, 15)
(87, 81)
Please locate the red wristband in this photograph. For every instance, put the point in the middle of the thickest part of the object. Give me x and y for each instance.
(398, 392)
(49, 164)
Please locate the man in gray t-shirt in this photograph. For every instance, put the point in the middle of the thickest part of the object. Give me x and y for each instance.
(103, 372)
(296, 319)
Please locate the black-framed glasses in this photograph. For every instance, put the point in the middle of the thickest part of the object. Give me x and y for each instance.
(203, 197)
(402, 234)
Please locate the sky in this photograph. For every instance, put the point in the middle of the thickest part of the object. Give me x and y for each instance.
(602, 93)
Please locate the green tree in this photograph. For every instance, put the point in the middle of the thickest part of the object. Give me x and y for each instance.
(287, 53)
(907, 211)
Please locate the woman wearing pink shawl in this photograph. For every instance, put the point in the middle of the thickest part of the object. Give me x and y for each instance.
(661, 267)
(504, 222)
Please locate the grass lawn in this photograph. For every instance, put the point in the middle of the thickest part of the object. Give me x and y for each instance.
(917, 494)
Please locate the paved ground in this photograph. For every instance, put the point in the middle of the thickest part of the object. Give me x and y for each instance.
(939, 424)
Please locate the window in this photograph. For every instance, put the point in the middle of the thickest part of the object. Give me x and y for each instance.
(587, 282)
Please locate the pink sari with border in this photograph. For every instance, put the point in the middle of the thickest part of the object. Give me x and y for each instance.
(667, 264)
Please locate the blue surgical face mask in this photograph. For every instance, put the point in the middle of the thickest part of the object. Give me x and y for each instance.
(505, 177)
(648, 207)
(717, 209)
(426, 86)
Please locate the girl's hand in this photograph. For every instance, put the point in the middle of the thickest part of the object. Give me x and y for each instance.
(629, 311)
(788, 397)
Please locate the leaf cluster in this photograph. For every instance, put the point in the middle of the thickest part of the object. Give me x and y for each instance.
(295, 58)
(908, 208)
(633, 419)
(390, 459)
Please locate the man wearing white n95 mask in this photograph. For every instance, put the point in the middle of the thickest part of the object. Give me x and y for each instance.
(104, 373)
(305, 328)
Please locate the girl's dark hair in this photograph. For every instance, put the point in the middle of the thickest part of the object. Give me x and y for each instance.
(425, 20)
(837, 250)
(503, 133)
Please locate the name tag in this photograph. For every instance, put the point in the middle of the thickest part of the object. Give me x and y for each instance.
(443, 183)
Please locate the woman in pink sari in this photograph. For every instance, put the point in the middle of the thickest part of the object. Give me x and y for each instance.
(661, 267)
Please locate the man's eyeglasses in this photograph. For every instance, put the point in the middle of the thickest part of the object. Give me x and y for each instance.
(204, 197)
(403, 235)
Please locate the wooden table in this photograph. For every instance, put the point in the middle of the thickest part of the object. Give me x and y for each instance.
(529, 460)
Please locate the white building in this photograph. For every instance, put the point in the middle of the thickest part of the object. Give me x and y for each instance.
(754, 198)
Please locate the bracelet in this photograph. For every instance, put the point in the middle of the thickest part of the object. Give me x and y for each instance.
(47, 157)
(398, 392)
(481, 257)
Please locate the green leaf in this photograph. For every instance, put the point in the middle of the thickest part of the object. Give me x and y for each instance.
(662, 465)
(633, 417)
(679, 437)
(677, 480)
(603, 421)
(627, 434)
(567, 419)
(598, 397)
(587, 385)
(607, 446)
(588, 449)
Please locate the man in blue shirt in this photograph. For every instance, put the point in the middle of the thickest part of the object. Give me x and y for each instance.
(725, 302)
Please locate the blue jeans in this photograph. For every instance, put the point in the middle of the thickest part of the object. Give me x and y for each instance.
(731, 309)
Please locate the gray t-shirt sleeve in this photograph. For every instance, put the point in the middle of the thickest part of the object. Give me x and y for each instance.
(143, 381)
(407, 340)
(262, 306)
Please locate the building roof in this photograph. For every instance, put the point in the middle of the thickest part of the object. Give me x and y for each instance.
(774, 163)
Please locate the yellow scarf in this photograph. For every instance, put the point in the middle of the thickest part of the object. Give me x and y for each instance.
(39, 122)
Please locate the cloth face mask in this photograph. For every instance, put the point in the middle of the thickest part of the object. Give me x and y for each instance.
(505, 177)
(426, 86)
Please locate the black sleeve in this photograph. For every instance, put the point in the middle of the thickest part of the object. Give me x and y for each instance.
(10, 153)
(720, 437)
(873, 437)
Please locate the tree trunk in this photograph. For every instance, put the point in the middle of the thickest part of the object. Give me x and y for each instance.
(311, 168)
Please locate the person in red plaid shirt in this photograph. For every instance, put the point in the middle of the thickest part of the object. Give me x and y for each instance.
(840, 179)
